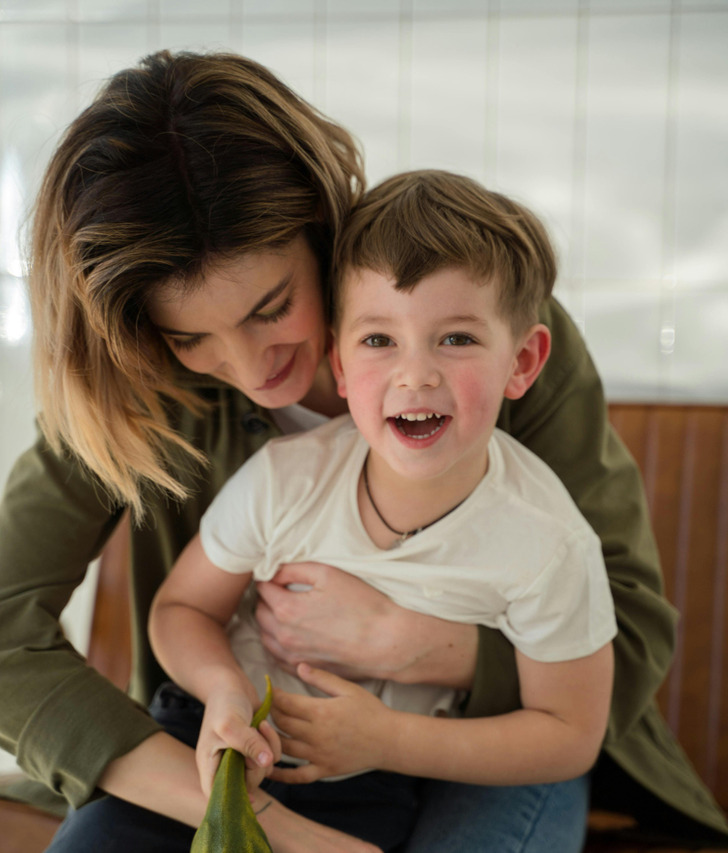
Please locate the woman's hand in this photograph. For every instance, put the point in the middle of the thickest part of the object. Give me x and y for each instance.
(226, 723)
(344, 625)
(343, 734)
(289, 832)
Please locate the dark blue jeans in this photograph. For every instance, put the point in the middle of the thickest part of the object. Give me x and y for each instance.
(383, 808)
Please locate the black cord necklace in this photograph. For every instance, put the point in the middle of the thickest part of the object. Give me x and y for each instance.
(403, 534)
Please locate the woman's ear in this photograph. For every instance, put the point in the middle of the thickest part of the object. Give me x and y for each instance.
(336, 368)
(529, 360)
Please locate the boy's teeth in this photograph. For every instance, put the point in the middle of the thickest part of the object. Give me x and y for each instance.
(418, 416)
(420, 425)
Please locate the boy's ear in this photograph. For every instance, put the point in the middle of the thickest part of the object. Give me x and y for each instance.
(336, 368)
(529, 361)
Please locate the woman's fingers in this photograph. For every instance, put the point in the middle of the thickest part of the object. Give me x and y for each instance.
(301, 576)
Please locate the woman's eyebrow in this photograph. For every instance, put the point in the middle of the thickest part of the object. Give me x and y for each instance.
(266, 299)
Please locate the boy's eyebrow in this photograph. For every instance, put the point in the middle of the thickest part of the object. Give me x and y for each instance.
(369, 320)
(379, 319)
(267, 298)
(466, 318)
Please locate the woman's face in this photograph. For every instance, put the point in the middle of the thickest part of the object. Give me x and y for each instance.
(257, 323)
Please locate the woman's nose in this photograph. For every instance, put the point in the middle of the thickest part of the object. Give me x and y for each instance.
(243, 360)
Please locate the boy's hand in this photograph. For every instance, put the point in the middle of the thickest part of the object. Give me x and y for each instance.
(342, 734)
(226, 723)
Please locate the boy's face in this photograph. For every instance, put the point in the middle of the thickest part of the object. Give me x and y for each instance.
(425, 371)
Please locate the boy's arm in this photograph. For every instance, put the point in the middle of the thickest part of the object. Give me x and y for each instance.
(557, 735)
(187, 629)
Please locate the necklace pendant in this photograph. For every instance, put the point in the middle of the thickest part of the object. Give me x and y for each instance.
(409, 533)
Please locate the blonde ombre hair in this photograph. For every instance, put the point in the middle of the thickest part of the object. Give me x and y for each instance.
(180, 163)
(417, 223)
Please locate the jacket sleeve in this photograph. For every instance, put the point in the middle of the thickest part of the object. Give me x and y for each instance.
(62, 720)
(563, 419)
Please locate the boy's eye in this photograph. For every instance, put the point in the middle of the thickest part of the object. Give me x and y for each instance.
(377, 341)
(458, 339)
(277, 314)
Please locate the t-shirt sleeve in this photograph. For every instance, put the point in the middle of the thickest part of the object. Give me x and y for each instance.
(567, 611)
(236, 526)
(563, 419)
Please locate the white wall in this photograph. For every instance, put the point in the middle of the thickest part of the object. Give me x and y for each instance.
(608, 117)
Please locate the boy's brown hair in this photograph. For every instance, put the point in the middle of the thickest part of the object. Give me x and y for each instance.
(417, 223)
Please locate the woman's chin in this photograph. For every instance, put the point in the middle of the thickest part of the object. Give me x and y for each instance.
(292, 389)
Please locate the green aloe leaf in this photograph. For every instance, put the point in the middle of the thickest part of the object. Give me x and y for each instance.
(230, 824)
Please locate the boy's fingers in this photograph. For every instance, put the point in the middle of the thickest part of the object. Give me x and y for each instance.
(290, 727)
(296, 775)
(291, 704)
(255, 748)
(207, 767)
(251, 744)
(273, 739)
(257, 751)
(253, 778)
(323, 680)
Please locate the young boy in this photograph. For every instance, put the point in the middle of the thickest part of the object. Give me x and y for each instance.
(436, 289)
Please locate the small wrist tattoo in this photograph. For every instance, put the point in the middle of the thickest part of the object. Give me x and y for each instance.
(263, 808)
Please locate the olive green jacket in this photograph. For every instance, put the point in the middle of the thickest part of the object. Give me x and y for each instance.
(65, 723)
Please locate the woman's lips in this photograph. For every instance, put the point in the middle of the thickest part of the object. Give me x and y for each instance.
(279, 377)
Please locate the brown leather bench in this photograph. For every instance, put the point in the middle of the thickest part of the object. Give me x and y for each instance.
(683, 454)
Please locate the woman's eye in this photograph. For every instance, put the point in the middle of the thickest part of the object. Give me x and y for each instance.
(184, 344)
(377, 341)
(277, 314)
(458, 339)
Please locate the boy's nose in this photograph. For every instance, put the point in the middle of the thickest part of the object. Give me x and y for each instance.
(417, 370)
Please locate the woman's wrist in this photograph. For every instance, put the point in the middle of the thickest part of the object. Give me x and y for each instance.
(424, 649)
(161, 775)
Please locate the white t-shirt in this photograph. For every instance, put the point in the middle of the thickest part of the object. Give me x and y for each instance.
(516, 555)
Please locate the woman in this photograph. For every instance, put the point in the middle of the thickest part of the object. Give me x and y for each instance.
(203, 179)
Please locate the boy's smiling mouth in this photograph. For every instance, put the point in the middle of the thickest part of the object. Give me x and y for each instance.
(419, 425)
